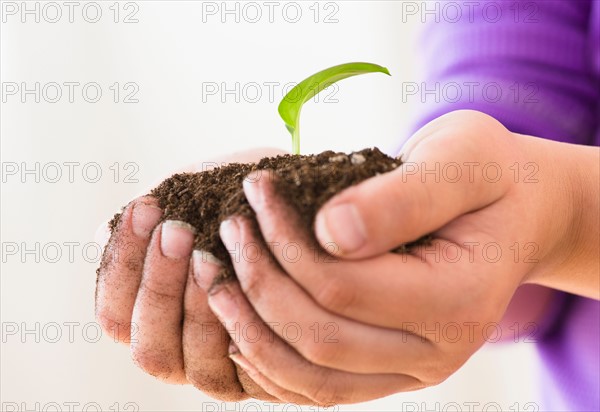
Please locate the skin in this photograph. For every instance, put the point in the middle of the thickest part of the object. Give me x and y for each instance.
(151, 301)
(372, 323)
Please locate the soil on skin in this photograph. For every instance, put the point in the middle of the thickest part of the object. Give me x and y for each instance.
(205, 199)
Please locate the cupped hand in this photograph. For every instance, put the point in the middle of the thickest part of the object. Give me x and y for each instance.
(146, 297)
(371, 322)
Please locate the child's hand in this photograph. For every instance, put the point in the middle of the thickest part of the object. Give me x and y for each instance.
(504, 210)
(146, 297)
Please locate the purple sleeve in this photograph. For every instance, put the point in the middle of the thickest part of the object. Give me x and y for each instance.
(528, 64)
(534, 66)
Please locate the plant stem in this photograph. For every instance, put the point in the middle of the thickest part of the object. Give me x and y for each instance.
(296, 140)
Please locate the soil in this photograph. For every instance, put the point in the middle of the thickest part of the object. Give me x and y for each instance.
(205, 199)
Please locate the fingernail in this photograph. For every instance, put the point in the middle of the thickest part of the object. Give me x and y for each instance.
(205, 268)
(251, 189)
(176, 239)
(223, 304)
(342, 225)
(229, 232)
(233, 349)
(144, 218)
(243, 363)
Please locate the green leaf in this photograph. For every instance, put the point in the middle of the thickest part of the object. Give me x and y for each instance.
(291, 105)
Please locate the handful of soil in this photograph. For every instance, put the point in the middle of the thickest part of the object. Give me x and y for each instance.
(207, 198)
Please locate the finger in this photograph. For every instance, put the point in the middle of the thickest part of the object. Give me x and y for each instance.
(253, 389)
(158, 310)
(433, 187)
(205, 341)
(283, 366)
(120, 272)
(390, 290)
(282, 303)
(283, 395)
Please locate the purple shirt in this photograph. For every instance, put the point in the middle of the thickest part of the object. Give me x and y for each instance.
(534, 66)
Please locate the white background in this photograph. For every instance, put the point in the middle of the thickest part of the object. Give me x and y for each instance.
(170, 53)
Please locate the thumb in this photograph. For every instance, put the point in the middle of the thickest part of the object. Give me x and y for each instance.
(419, 197)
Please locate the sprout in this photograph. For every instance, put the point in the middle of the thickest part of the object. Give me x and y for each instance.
(291, 104)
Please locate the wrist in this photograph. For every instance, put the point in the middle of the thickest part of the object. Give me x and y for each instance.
(580, 268)
(568, 199)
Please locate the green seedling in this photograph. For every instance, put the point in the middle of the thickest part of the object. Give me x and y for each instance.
(291, 105)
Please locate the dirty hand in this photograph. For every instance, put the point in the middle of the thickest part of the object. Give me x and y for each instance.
(503, 210)
(146, 297)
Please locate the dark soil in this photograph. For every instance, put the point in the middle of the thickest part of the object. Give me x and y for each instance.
(205, 199)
